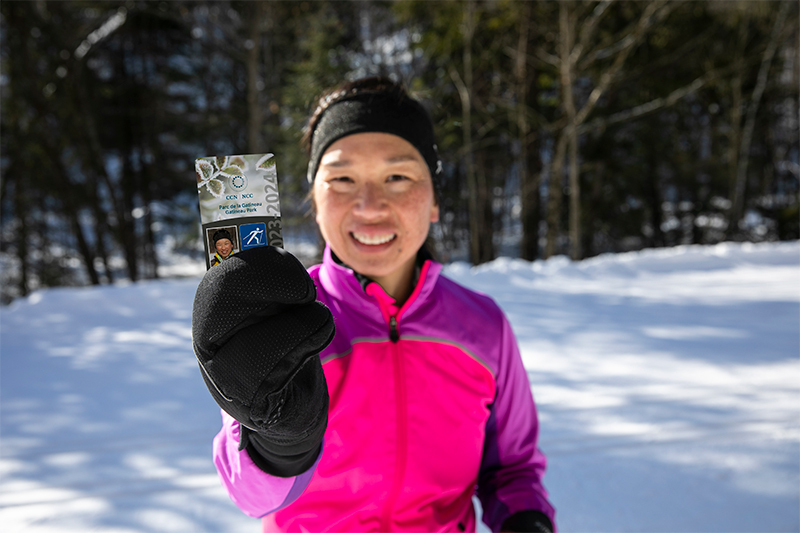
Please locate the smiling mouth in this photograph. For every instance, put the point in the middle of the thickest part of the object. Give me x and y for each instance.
(373, 240)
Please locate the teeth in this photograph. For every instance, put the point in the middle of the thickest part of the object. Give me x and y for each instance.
(373, 239)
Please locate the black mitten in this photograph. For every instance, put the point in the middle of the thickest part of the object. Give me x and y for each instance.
(527, 522)
(257, 332)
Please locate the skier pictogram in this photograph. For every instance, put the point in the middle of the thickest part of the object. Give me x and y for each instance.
(254, 237)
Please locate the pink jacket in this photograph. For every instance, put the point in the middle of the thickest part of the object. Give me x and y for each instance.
(427, 403)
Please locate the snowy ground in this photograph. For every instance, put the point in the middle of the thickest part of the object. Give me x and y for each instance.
(668, 384)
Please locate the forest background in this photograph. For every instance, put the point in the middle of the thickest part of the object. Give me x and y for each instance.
(568, 127)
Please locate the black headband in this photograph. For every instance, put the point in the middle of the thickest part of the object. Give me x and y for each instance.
(221, 234)
(381, 113)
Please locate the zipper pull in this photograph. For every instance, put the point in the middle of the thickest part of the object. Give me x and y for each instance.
(394, 336)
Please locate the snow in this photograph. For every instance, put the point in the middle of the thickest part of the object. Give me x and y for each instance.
(668, 386)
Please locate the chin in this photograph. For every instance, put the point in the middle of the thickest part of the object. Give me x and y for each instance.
(368, 268)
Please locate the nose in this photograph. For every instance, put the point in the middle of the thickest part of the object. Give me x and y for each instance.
(371, 202)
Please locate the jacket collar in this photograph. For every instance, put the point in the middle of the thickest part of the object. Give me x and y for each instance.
(342, 282)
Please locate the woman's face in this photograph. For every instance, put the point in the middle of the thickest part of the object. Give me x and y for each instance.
(224, 247)
(374, 201)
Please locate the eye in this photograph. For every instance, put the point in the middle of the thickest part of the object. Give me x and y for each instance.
(340, 184)
(340, 181)
(397, 177)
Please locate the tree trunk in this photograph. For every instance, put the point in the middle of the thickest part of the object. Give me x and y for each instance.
(128, 186)
(71, 211)
(83, 245)
(101, 231)
(530, 212)
(72, 214)
(567, 75)
(149, 241)
(588, 212)
(653, 197)
(21, 207)
(735, 137)
(126, 225)
(555, 195)
(574, 198)
(750, 119)
(91, 154)
(566, 36)
(465, 92)
(528, 181)
(271, 61)
(255, 85)
(484, 239)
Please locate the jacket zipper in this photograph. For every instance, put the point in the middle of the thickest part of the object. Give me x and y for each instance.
(402, 423)
(394, 336)
(401, 411)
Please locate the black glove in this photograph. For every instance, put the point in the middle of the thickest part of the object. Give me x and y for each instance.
(257, 332)
(527, 522)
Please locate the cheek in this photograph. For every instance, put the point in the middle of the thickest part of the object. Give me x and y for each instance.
(327, 217)
(318, 204)
(419, 211)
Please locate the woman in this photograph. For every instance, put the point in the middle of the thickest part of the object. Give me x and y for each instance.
(427, 398)
(223, 246)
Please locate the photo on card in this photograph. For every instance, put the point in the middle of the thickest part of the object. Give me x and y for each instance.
(221, 243)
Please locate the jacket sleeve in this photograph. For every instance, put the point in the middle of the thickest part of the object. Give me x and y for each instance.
(510, 477)
(254, 491)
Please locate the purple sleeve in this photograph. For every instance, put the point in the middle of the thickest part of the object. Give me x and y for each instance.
(254, 491)
(510, 477)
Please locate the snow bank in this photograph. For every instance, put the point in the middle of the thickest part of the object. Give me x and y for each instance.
(668, 383)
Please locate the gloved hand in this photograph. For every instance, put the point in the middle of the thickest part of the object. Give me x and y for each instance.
(257, 332)
(527, 521)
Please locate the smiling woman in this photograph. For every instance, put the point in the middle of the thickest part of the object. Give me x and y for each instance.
(418, 392)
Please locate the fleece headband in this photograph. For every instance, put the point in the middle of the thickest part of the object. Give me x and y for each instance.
(380, 113)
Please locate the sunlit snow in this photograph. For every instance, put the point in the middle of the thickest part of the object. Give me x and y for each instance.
(668, 386)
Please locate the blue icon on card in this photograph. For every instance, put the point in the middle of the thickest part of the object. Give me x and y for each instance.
(253, 235)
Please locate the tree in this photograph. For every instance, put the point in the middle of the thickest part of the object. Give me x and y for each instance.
(576, 54)
(742, 152)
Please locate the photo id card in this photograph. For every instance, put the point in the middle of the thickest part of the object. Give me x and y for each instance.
(239, 204)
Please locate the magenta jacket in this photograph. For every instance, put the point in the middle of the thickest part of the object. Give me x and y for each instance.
(428, 403)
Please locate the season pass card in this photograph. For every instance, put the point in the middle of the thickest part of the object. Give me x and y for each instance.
(239, 204)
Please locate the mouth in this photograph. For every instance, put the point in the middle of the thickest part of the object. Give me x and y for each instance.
(373, 240)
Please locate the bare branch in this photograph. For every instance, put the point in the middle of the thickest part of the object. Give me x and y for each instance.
(653, 12)
(108, 27)
(651, 106)
(749, 123)
(547, 57)
(588, 30)
(667, 59)
(608, 51)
